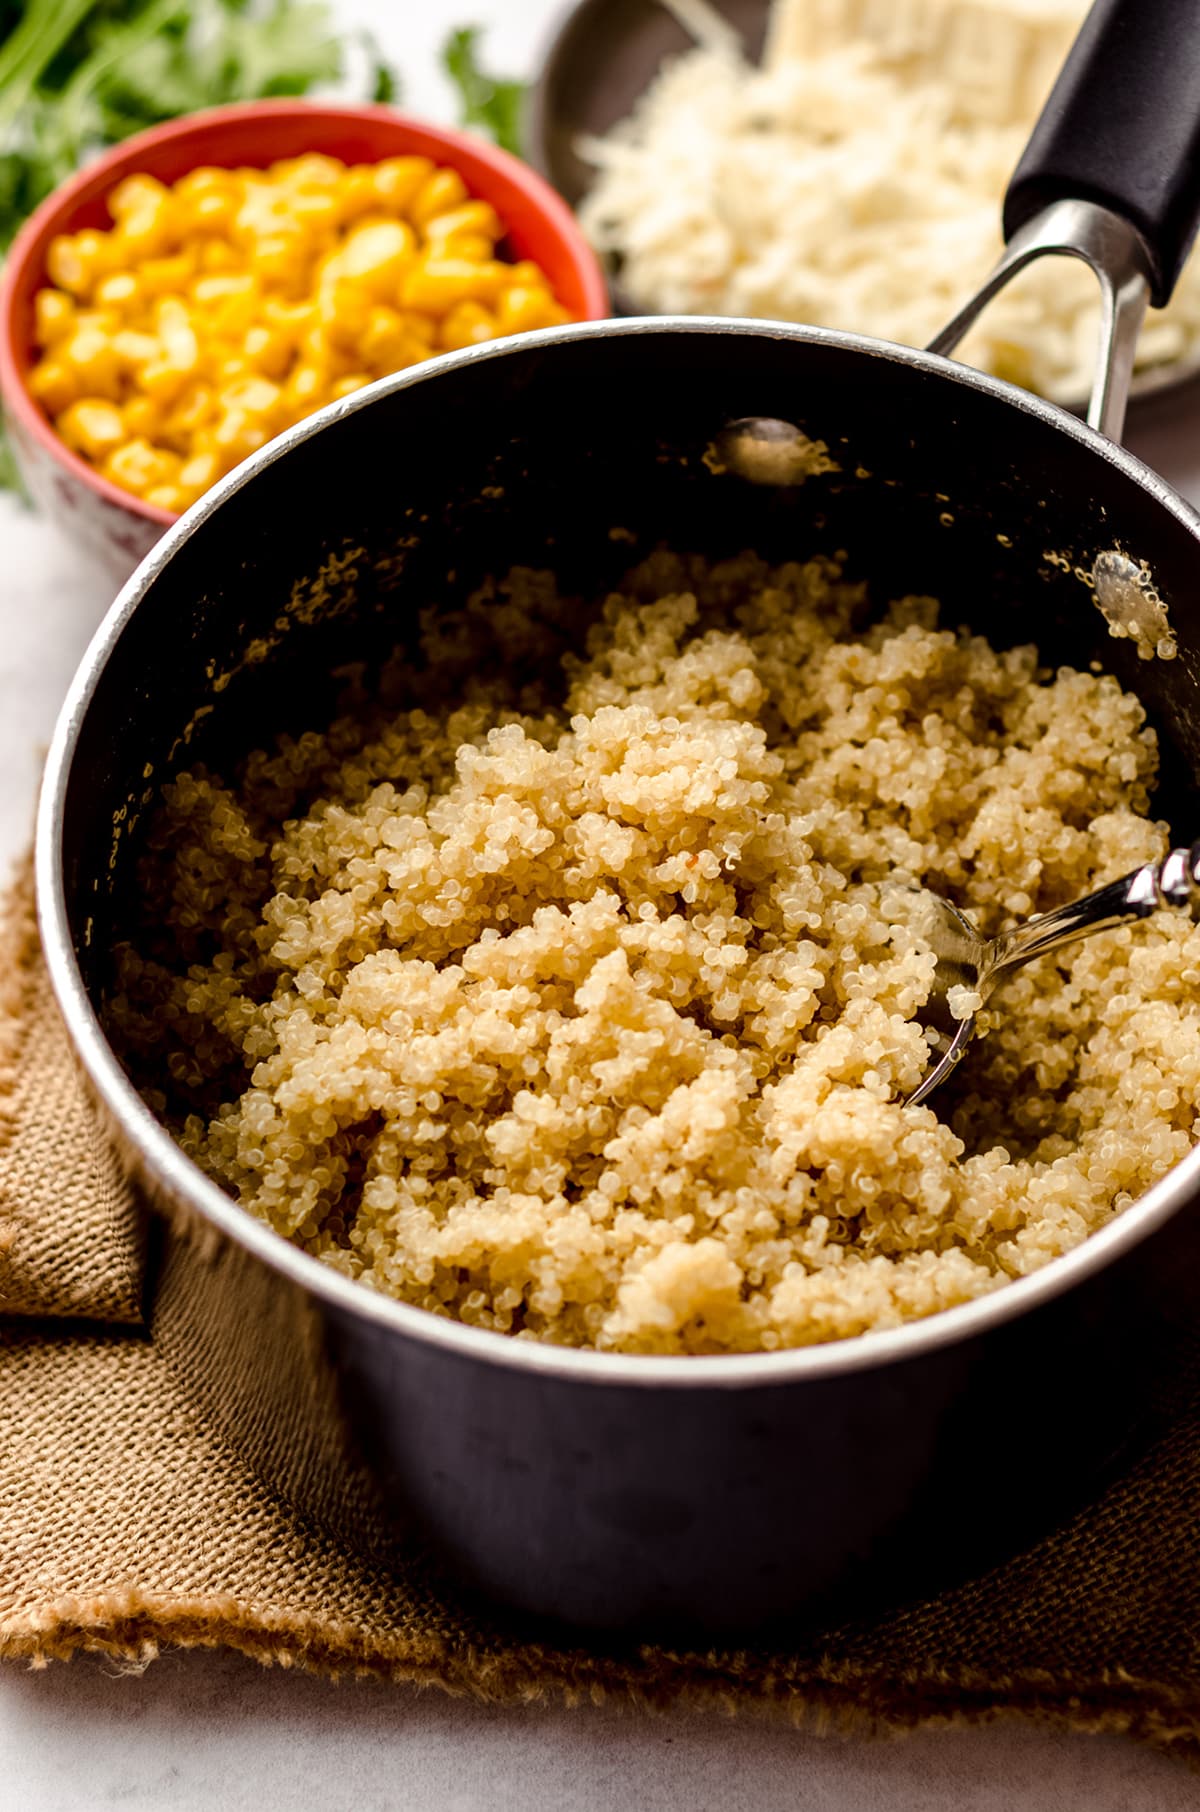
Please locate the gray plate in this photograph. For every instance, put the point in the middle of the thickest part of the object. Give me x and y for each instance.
(605, 53)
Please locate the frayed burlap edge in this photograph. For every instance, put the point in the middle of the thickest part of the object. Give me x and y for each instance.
(71, 1237)
(135, 1628)
(20, 950)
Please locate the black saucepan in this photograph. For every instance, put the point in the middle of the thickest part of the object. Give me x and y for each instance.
(651, 1492)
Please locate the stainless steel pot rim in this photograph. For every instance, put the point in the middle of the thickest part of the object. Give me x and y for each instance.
(165, 1164)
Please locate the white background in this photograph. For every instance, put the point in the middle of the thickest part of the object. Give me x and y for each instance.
(215, 1731)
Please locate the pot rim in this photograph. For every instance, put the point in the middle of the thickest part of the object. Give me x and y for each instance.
(175, 1175)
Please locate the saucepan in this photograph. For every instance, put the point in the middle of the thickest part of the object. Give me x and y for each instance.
(663, 1493)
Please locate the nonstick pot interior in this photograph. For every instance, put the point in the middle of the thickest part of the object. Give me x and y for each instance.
(582, 449)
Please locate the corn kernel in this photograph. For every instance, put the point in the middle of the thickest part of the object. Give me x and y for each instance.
(166, 276)
(119, 291)
(139, 466)
(525, 271)
(170, 497)
(194, 408)
(54, 385)
(290, 321)
(212, 213)
(436, 285)
(237, 435)
(134, 194)
(90, 353)
(197, 473)
(358, 194)
(419, 327)
(98, 320)
(254, 395)
(279, 260)
(346, 386)
(269, 350)
(476, 218)
(208, 179)
(92, 427)
(142, 417)
(264, 212)
(307, 388)
(385, 340)
(313, 171)
(467, 325)
(177, 334)
(135, 349)
(471, 246)
(397, 179)
(412, 352)
(210, 291)
(316, 213)
(163, 380)
(376, 257)
(76, 262)
(522, 308)
(145, 232)
(343, 310)
(204, 443)
(230, 303)
(218, 257)
(444, 190)
(375, 218)
(53, 315)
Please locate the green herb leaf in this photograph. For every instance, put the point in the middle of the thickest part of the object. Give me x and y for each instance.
(76, 75)
(384, 83)
(495, 103)
(10, 477)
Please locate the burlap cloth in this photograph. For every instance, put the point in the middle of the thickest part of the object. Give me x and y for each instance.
(127, 1525)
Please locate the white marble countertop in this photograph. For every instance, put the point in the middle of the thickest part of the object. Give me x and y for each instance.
(205, 1730)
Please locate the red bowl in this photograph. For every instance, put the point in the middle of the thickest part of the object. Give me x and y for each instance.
(115, 525)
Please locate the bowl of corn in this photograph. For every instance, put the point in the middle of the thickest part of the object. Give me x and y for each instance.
(206, 285)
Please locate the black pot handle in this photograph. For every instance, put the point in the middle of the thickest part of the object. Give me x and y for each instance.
(1122, 129)
(1111, 175)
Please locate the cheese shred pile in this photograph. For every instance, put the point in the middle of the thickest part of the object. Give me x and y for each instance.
(855, 181)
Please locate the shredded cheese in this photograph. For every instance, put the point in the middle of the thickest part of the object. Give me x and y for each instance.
(855, 181)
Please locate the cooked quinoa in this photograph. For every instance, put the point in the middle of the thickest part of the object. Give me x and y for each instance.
(570, 1006)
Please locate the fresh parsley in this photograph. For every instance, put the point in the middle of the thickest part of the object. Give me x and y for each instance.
(494, 103)
(77, 75)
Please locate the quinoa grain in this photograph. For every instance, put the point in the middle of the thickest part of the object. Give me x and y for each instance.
(578, 1016)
